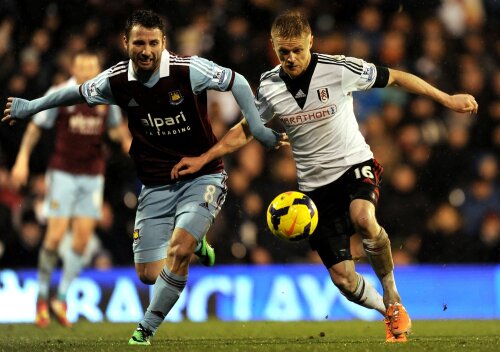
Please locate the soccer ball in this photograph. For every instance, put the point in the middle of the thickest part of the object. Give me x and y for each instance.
(292, 216)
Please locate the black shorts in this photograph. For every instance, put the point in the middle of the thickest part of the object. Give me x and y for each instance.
(332, 236)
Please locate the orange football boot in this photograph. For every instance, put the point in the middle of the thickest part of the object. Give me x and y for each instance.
(389, 336)
(399, 320)
(60, 308)
(42, 318)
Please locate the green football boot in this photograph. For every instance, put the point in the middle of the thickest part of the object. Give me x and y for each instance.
(206, 253)
(140, 336)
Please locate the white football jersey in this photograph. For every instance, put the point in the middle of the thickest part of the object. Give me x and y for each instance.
(316, 110)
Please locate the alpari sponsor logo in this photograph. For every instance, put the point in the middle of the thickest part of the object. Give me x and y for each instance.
(309, 116)
(165, 126)
(85, 124)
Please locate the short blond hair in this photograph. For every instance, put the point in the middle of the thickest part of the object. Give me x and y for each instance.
(290, 24)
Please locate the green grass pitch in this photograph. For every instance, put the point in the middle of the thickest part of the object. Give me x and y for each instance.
(352, 336)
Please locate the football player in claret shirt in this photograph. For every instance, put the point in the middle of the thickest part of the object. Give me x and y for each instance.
(311, 94)
(165, 97)
(75, 182)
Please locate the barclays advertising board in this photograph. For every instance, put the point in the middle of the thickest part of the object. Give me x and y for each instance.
(276, 292)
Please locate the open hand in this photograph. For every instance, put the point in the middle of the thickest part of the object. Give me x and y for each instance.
(6, 113)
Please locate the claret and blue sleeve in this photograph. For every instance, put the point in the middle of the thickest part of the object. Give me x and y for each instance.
(206, 74)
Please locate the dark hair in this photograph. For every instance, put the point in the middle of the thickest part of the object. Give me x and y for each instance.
(290, 24)
(144, 18)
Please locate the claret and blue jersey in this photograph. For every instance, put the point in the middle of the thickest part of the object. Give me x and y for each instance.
(167, 114)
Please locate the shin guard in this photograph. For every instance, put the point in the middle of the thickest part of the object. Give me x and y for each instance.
(379, 253)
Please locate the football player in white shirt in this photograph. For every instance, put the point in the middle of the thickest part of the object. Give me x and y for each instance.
(312, 96)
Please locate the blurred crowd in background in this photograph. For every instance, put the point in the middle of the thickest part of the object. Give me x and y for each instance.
(440, 197)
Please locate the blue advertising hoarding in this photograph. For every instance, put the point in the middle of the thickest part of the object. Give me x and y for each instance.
(276, 292)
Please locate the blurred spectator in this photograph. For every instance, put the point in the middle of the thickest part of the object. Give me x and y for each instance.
(482, 195)
(444, 240)
(462, 15)
(8, 196)
(196, 39)
(488, 241)
(450, 165)
(22, 251)
(393, 50)
(102, 260)
(402, 207)
(6, 60)
(261, 256)
(368, 27)
(9, 234)
(423, 112)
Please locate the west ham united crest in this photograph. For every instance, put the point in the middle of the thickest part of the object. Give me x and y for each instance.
(175, 97)
(136, 236)
(323, 94)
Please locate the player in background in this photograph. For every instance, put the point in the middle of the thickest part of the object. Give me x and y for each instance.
(165, 97)
(311, 94)
(75, 182)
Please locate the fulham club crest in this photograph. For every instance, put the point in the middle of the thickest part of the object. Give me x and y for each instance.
(175, 97)
(323, 95)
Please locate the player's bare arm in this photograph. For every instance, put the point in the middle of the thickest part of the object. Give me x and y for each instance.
(20, 170)
(121, 135)
(458, 102)
(234, 139)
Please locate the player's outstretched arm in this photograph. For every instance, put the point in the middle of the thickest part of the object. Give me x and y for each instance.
(244, 97)
(17, 108)
(413, 84)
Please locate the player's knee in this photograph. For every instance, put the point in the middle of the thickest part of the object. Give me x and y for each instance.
(52, 242)
(344, 283)
(181, 253)
(147, 278)
(147, 273)
(79, 248)
(364, 222)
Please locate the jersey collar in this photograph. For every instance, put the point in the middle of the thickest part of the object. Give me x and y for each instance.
(164, 68)
(299, 87)
(306, 76)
